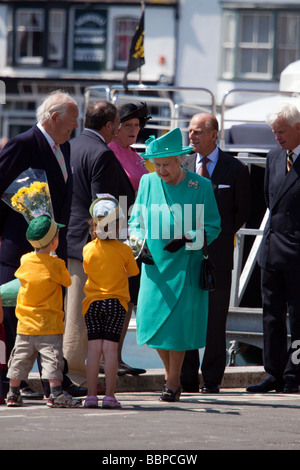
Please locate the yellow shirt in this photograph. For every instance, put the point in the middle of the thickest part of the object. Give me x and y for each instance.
(40, 301)
(108, 263)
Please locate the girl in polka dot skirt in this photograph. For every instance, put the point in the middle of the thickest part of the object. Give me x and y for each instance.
(108, 263)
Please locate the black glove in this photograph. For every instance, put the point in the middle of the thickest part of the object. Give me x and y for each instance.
(176, 243)
(145, 255)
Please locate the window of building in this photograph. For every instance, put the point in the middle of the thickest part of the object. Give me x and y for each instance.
(29, 36)
(288, 40)
(39, 36)
(229, 35)
(124, 31)
(259, 44)
(57, 28)
(255, 45)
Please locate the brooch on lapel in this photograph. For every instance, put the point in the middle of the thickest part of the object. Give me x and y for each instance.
(193, 184)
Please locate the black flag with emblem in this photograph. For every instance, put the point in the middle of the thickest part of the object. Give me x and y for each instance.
(136, 54)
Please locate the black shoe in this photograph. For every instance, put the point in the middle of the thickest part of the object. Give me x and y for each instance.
(266, 386)
(290, 387)
(210, 388)
(75, 390)
(124, 369)
(169, 395)
(28, 394)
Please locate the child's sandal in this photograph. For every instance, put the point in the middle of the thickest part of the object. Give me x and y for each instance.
(91, 402)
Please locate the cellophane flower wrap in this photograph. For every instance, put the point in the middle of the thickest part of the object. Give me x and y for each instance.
(135, 244)
(29, 194)
(136, 241)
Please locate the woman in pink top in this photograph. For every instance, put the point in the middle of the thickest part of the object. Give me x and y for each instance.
(133, 118)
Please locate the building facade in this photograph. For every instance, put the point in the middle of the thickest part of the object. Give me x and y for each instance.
(71, 44)
(74, 44)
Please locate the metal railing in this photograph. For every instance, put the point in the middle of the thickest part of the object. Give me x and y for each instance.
(224, 120)
(166, 105)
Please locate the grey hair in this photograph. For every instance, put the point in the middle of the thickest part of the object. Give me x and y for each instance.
(287, 111)
(179, 158)
(55, 102)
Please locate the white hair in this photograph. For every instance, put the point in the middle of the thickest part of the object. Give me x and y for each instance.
(287, 111)
(55, 102)
(179, 158)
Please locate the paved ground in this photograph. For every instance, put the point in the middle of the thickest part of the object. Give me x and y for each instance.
(231, 420)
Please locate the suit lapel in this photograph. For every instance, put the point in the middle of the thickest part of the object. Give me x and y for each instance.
(290, 178)
(217, 176)
(51, 164)
(122, 171)
(190, 162)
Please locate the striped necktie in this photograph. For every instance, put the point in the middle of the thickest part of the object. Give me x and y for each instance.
(60, 158)
(203, 170)
(290, 161)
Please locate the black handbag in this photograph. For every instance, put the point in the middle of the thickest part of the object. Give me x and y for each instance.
(207, 274)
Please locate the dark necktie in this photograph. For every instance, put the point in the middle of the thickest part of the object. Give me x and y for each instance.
(290, 161)
(203, 170)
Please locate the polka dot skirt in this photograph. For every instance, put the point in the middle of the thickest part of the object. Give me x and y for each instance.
(104, 320)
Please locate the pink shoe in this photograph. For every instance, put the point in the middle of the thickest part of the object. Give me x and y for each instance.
(91, 402)
(110, 402)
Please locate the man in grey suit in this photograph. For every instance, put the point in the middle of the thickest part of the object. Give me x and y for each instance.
(95, 170)
(279, 256)
(231, 183)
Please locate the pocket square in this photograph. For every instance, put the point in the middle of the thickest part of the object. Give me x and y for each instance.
(222, 186)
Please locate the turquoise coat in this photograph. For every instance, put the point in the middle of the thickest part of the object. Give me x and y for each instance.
(172, 308)
(9, 293)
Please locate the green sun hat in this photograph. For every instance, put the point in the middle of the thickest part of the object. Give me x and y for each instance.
(168, 145)
(42, 230)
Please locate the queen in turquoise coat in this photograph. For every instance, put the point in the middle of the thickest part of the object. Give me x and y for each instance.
(172, 209)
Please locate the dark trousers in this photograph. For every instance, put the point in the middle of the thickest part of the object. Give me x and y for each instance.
(10, 326)
(214, 360)
(281, 294)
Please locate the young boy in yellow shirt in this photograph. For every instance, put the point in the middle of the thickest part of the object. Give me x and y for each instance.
(40, 315)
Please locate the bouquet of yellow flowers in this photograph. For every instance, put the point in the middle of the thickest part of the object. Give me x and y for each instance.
(29, 195)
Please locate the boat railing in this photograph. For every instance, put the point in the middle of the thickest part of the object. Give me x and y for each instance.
(169, 106)
(243, 96)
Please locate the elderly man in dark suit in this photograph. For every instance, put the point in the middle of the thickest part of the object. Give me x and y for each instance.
(231, 183)
(95, 170)
(57, 118)
(279, 256)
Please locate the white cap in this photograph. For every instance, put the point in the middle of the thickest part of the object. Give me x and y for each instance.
(105, 209)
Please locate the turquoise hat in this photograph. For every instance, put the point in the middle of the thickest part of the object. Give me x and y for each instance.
(168, 145)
